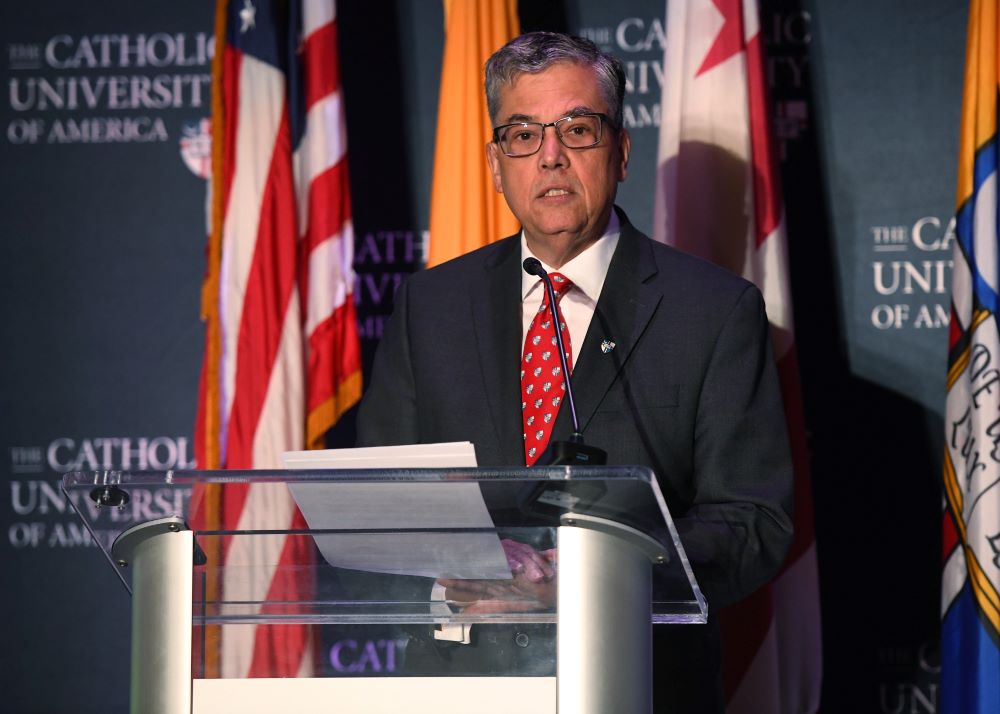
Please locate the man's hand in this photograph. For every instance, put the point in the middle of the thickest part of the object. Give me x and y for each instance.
(533, 586)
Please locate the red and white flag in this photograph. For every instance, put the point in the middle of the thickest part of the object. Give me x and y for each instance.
(282, 359)
(718, 196)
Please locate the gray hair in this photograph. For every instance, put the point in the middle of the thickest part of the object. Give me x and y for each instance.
(535, 52)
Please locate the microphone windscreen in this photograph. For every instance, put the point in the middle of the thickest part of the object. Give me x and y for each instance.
(532, 266)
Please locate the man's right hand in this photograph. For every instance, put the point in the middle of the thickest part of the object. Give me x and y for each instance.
(532, 587)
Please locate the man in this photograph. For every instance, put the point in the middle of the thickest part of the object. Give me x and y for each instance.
(672, 365)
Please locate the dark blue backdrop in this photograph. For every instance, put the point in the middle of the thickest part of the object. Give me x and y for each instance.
(103, 237)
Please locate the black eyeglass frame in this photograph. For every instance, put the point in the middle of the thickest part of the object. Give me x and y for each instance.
(602, 120)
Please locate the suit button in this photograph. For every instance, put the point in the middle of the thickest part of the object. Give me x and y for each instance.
(521, 639)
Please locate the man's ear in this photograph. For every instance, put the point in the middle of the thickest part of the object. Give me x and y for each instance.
(493, 159)
(624, 148)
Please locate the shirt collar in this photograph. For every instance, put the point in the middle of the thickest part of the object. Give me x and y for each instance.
(587, 270)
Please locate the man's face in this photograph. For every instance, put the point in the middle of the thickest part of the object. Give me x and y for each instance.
(561, 196)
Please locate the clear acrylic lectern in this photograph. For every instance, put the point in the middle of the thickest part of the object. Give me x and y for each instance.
(239, 577)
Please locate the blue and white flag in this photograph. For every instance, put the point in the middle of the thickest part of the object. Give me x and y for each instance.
(970, 583)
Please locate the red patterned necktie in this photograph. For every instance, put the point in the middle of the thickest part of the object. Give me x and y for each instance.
(542, 381)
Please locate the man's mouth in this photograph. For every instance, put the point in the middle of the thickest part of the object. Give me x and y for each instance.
(556, 192)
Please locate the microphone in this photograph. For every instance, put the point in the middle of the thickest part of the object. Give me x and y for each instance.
(574, 451)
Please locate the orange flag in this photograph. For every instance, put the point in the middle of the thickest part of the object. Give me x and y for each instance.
(466, 211)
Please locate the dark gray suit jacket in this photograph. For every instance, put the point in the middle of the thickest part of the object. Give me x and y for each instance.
(690, 390)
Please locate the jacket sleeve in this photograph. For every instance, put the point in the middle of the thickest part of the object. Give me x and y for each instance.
(739, 527)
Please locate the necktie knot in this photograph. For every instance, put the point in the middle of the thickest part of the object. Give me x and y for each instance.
(560, 283)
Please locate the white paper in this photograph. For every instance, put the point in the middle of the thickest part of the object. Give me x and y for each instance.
(400, 505)
(455, 454)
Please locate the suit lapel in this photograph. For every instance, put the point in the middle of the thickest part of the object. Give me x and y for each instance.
(626, 305)
(496, 313)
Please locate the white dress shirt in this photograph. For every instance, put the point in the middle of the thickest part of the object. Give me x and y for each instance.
(587, 271)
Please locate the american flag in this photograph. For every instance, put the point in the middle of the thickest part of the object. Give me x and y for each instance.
(718, 197)
(282, 359)
(970, 582)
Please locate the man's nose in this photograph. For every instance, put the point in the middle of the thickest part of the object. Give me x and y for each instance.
(553, 153)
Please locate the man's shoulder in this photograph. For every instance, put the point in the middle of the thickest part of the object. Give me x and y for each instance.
(688, 272)
(467, 267)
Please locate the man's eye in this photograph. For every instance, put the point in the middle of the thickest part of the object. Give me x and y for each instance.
(524, 135)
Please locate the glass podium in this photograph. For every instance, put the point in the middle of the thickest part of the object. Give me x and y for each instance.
(400, 590)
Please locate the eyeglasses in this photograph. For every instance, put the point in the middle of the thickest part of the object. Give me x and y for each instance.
(579, 131)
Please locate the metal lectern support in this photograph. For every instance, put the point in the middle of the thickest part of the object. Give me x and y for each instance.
(159, 553)
(604, 634)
